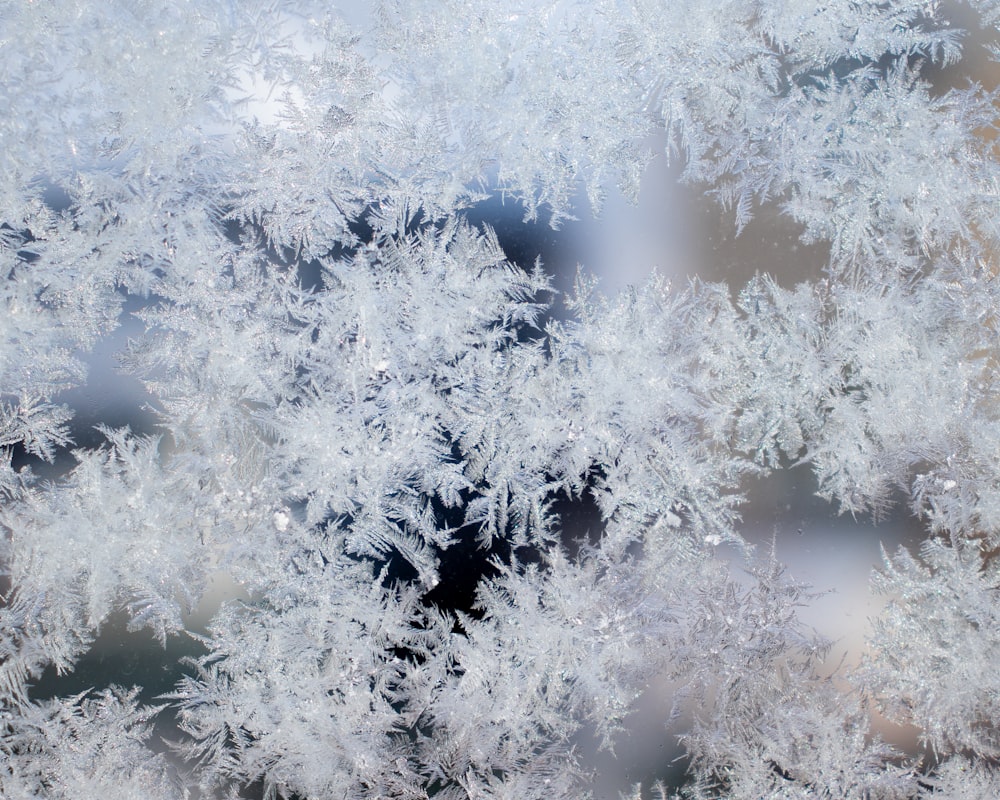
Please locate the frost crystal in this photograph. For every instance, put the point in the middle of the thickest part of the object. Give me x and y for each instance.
(372, 421)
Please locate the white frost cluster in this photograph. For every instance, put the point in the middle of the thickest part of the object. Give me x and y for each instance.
(354, 384)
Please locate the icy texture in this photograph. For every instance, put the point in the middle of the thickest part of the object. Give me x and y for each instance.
(353, 384)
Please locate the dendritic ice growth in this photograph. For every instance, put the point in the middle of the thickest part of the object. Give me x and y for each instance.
(373, 422)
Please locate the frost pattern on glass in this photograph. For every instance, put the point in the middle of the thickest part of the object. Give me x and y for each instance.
(353, 383)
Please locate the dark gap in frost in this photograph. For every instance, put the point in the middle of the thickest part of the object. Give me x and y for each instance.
(25, 256)
(19, 239)
(118, 656)
(396, 570)
(466, 564)
(787, 501)
(20, 459)
(258, 791)
(581, 524)
(56, 197)
(771, 243)
(463, 567)
(309, 272)
(525, 243)
(310, 275)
